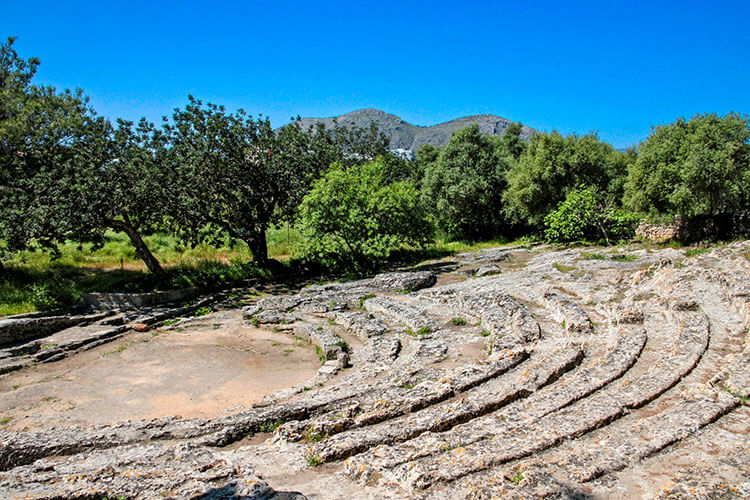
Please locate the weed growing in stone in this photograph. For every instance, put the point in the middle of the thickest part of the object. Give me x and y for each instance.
(202, 311)
(458, 321)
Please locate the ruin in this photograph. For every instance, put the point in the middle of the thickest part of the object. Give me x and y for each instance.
(518, 372)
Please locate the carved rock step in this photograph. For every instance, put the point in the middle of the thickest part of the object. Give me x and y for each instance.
(491, 395)
(593, 374)
(393, 402)
(583, 416)
(400, 312)
(362, 325)
(330, 344)
(138, 472)
(19, 448)
(590, 457)
(568, 313)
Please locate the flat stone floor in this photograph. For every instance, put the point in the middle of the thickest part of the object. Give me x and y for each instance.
(203, 367)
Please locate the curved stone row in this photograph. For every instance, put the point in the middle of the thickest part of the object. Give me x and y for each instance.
(520, 382)
(581, 417)
(593, 374)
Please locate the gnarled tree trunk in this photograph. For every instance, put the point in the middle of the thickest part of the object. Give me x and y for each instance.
(141, 250)
(259, 247)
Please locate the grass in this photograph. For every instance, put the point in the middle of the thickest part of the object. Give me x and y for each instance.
(425, 330)
(36, 280)
(592, 256)
(624, 258)
(202, 311)
(458, 321)
(314, 460)
(484, 333)
(363, 299)
(270, 426)
(692, 252)
(564, 268)
(517, 478)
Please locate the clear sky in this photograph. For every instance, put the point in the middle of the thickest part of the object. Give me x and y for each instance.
(616, 67)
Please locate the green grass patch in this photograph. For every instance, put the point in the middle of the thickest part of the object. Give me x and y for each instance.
(363, 299)
(270, 426)
(592, 256)
(623, 258)
(692, 252)
(458, 321)
(425, 330)
(564, 268)
(202, 311)
(314, 460)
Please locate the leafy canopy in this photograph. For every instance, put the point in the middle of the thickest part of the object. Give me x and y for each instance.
(552, 166)
(695, 167)
(463, 187)
(355, 217)
(583, 217)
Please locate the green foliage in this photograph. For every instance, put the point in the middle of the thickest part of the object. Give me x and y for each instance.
(202, 311)
(700, 166)
(353, 218)
(552, 166)
(458, 321)
(270, 426)
(463, 187)
(363, 299)
(581, 217)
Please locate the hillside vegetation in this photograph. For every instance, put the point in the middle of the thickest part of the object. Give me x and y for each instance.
(212, 197)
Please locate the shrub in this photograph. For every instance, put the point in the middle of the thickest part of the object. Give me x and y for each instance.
(353, 218)
(582, 217)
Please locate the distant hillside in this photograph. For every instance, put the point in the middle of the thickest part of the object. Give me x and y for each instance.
(410, 137)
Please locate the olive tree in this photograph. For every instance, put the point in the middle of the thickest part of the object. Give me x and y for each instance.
(552, 166)
(693, 167)
(463, 187)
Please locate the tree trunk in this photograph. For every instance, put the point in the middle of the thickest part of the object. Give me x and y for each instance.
(141, 250)
(259, 248)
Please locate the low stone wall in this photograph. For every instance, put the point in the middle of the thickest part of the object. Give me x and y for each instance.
(124, 301)
(20, 329)
(659, 232)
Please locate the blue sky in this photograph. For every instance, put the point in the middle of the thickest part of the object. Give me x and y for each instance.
(613, 67)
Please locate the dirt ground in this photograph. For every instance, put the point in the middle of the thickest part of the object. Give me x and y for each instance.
(204, 367)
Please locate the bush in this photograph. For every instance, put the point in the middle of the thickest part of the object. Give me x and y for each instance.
(581, 217)
(353, 218)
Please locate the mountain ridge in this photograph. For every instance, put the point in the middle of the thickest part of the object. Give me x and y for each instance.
(407, 137)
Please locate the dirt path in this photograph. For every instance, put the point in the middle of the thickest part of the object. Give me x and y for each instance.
(208, 367)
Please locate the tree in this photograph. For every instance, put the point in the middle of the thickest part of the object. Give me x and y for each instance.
(354, 217)
(233, 173)
(700, 166)
(132, 191)
(552, 166)
(511, 143)
(65, 174)
(463, 188)
(582, 216)
(49, 144)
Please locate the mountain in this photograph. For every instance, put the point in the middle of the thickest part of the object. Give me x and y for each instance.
(408, 137)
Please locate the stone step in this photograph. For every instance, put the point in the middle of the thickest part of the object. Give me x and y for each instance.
(575, 420)
(400, 312)
(593, 374)
(568, 313)
(540, 369)
(397, 401)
